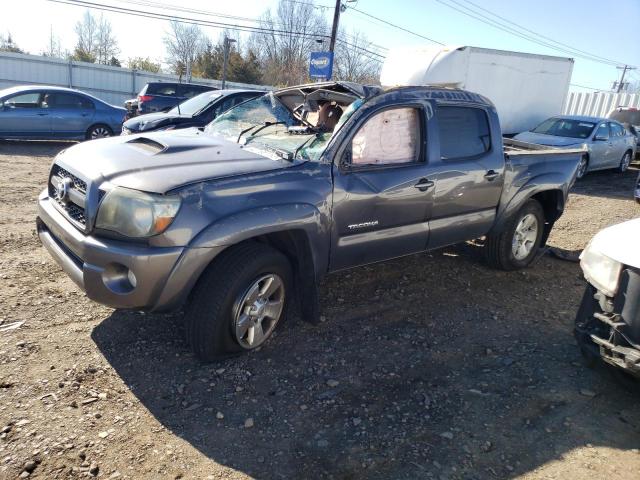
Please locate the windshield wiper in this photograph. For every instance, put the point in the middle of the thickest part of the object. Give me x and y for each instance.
(261, 125)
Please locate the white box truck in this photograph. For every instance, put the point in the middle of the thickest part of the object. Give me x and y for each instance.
(525, 88)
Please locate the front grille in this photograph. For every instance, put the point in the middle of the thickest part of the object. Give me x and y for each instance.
(72, 203)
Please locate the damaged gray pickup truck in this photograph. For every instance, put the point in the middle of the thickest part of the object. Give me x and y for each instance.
(236, 221)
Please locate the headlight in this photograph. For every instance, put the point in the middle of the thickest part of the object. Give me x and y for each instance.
(136, 214)
(600, 271)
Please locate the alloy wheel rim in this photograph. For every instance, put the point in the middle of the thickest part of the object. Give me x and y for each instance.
(100, 132)
(258, 311)
(626, 160)
(582, 168)
(524, 237)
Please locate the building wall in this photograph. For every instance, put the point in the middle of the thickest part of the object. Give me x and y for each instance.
(598, 104)
(112, 84)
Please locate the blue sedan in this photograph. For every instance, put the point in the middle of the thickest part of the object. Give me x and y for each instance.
(42, 112)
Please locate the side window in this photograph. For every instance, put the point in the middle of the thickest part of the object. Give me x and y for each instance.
(602, 131)
(24, 100)
(616, 130)
(190, 91)
(388, 137)
(161, 89)
(464, 132)
(66, 100)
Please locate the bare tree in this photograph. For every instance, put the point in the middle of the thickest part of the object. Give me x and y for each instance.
(284, 50)
(183, 43)
(86, 30)
(355, 61)
(106, 49)
(96, 42)
(8, 45)
(54, 48)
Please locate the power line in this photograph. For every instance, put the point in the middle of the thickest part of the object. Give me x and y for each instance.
(206, 23)
(394, 25)
(536, 33)
(494, 23)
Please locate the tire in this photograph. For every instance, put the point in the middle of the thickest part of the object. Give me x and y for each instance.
(217, 303)
(98, 131)
(500, 248)
(624, 162)
(583, 167)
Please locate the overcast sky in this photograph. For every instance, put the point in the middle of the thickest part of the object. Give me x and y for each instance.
(605, 29)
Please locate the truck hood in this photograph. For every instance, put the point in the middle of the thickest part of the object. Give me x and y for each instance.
(162, 161)
(619, 242)
(550, 140)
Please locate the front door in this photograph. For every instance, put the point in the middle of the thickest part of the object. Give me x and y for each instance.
(601, 148)
(23, 115)
(383, 193)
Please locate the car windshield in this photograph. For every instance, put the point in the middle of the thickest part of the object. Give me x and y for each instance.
(267, 127)
(196, 104)
(563, 127)
(631, 116)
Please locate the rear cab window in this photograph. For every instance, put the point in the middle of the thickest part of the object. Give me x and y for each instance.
(464, 132)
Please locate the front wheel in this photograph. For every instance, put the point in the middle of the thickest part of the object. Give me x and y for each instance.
(238, 302)
(98, 131)
(625, 162)
(517, 244)
(582, 167)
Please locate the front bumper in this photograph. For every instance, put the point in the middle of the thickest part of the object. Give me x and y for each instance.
(120, 274)
(609, 328)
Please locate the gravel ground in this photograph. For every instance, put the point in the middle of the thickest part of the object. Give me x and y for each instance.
(431, 366)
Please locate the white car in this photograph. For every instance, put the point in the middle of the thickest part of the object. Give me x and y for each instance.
(607, 326)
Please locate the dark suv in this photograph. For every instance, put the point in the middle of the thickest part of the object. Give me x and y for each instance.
(162, 96)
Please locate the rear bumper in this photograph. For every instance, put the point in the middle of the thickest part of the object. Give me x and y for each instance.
(120, 274)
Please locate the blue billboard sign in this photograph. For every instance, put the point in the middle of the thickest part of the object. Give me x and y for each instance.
(321, 65)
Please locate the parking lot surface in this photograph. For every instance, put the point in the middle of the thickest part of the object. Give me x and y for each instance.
(430, 366)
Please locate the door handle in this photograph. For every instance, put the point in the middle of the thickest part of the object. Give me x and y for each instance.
(424, 184)
(42, 114)
(491, 175)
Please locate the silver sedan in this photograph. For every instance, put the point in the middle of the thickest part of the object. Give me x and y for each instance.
(609, 144)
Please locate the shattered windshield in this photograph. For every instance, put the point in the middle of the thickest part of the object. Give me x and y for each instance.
(267, 127)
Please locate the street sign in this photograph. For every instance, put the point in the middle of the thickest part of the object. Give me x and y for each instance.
(321, 65)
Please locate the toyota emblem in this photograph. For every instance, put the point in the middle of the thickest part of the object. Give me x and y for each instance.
(62, 190)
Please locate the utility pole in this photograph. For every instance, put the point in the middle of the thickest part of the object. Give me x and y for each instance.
(227, 44)
(624, 71)
(334, 28)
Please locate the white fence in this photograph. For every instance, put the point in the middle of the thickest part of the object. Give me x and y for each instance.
(111, 84)
(599, 104)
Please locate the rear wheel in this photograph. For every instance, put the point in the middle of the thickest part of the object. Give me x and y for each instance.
(238, 301)
(583, 166)
(625, 162)
(517, 244)
(99, 131)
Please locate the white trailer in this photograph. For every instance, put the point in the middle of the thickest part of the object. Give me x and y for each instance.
(525, 88)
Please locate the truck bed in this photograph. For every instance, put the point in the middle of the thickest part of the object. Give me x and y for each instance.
(516, 147)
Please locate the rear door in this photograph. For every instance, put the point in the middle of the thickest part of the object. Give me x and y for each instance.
(71, 114)
(23, 115)
(383, 193)
(469, 173)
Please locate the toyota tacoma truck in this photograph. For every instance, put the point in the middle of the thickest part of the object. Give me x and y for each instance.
(235, 222)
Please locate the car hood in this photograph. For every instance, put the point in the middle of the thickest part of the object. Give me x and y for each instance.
(619, 242)
(162, 161)
(550, 140)
(154, 120)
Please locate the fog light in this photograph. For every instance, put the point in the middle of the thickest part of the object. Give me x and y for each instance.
(119, 279)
